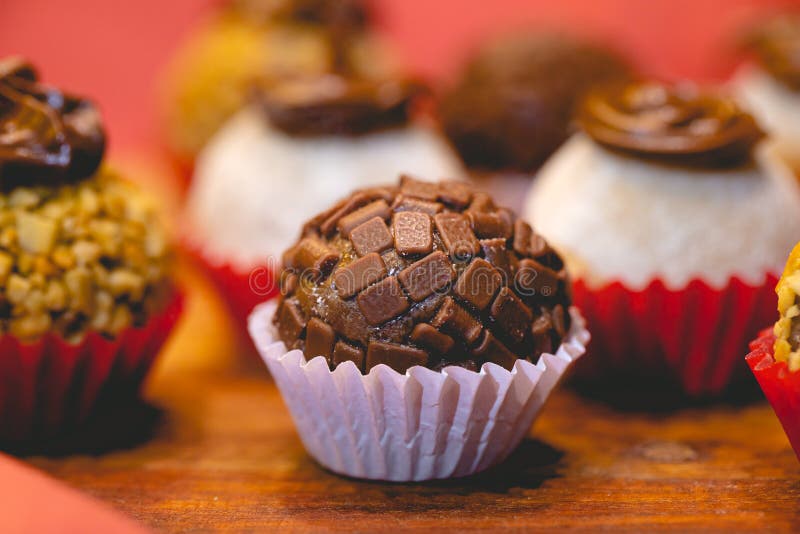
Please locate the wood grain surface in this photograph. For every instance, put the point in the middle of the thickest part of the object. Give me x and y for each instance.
(215, 449)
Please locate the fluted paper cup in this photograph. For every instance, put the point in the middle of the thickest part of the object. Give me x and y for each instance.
(419, 426)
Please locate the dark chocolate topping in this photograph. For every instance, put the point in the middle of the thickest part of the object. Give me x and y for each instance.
(338, 105)
(776, 45)
(46, 136)
(428, 274)
(513, 105)
(679, 125)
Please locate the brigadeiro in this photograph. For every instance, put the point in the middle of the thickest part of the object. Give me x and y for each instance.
(769, 82)
(86, 298)
(419, 330)
(512, 105)
(209, 78)
(290, 154)
(775, 356)
(664, 208)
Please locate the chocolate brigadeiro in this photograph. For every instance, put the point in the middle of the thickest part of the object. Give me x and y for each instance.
(513, 104)
(430, 274)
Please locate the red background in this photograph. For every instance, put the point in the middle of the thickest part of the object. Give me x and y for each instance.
(114, 50)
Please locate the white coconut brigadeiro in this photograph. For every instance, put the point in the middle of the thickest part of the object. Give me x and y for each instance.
(666, 182)
(297, 149)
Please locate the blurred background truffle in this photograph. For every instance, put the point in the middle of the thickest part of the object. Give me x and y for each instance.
(512, 106)
(769, 83)
(210, 77)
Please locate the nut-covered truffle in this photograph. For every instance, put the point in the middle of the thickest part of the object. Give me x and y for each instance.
(513, 104)
(80, 249)
(430, 274)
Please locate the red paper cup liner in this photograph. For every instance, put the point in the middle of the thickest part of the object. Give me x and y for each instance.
(693, 336)
(51, 385)
(241, 288)
(780, 386)
(182, 167)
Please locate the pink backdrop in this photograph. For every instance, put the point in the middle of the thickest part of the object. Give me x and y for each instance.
(114, 50)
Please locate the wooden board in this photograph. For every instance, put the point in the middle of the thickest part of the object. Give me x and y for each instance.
(220, 452)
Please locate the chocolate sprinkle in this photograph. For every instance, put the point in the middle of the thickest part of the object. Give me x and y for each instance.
(379, 208)
(511, 314)
(431, 293)
(428, 336)
(359, 275)
(320, 338)
(457, 236)
(383, 301)
(431, 273)
(371, 236)
(479, 283)
(412, 233)
(398, 357)
(344, 352)
(457, 321)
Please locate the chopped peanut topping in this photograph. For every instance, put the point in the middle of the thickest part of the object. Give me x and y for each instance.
(91, 255)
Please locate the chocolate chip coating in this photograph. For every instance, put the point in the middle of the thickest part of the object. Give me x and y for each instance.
(457, 281)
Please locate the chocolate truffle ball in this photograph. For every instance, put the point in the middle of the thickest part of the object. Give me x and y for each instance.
(430, 274)
(513, 104)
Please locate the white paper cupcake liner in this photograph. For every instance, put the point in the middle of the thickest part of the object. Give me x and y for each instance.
(419, 426)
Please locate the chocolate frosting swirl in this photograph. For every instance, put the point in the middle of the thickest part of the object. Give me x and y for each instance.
(679, 125)
(46, 136)
(338, 105)
(776, 45)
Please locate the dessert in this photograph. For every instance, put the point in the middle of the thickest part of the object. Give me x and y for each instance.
(769, 83)
(513, 104)
(84, 263)
(415, 289)
(209, 80)
(643, 204)
(775, 355)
